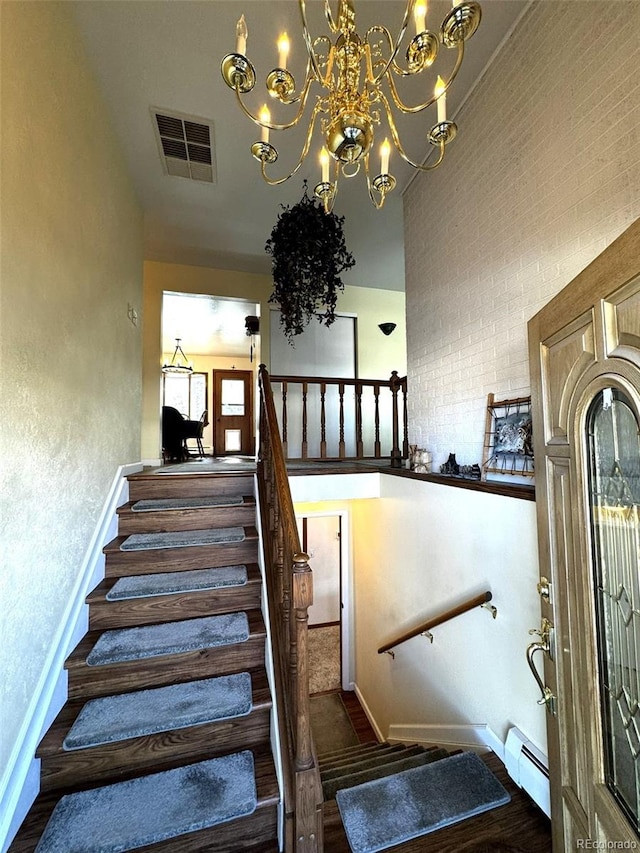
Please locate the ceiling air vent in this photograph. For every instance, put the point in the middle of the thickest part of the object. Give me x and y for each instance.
(186, 146)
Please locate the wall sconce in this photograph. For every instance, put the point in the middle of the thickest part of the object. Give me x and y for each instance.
(387, 328)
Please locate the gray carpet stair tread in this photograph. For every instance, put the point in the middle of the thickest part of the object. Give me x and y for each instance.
(364, 755)
(332, 786)
(150, 809)
(126, 644)
(346, 750)
(182, 538)
(156, 504)
(410, 804)
(369, 762)
(145, 712)
(169, 583)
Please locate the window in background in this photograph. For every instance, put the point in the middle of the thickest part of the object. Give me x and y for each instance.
(187, 394)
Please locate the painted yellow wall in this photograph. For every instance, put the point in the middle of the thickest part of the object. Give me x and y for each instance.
(71, 248)
(378, 355)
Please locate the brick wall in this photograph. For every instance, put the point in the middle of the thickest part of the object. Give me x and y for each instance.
(544, 173)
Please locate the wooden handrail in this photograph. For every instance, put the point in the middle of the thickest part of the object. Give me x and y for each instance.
(339, 380)
(289, 584)
(477, 601)
(347, 427)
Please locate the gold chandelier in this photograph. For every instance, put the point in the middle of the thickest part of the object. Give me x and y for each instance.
(357, 76)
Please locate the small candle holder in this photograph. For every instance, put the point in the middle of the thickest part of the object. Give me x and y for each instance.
(326, 192)
(264, 152)
(384, 184)
(461, 23)
(422, 51)
(281, 85)
(238, 72)
(443, 132)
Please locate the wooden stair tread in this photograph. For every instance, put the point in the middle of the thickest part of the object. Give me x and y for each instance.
(127, 508)
(113, 546)
(78, 656)
(99, 593)
(205, 840)
(146, 753)
(51, 743)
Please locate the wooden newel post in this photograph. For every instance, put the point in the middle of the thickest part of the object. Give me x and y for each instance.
(396, 455)
(309, 808)
(302, 599)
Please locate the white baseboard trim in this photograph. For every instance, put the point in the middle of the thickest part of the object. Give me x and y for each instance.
(152, 463)
(368, 713)
(20, 781)
(478, 738)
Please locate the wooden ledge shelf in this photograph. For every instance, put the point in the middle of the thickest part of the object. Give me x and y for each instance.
(522, 491)
(301, 468)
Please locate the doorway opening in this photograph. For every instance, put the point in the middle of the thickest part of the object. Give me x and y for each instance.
(323, 536)
(214, 338)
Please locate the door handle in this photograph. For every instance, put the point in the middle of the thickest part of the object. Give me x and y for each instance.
(544, 644)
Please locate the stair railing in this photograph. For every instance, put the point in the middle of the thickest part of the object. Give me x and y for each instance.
(325, 418)
(289, 582)
(425, 628)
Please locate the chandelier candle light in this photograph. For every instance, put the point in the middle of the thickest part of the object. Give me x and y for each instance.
(357, 77)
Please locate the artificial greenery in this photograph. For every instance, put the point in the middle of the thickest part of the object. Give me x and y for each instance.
(309, 253)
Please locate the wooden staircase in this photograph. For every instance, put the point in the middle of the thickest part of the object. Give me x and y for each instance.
(65, 771)
(356, 765)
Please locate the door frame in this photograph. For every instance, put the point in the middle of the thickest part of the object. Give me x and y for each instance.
(347, 663)
(583, 299)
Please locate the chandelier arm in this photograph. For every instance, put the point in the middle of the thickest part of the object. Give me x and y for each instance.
(274, 182)
(383, 63)
(396, 141)
(304, 94)
(396, 45)
(329, 16)
(419, 107)
(307, 39)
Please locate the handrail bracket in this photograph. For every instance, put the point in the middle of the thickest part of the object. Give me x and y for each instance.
(493, 610)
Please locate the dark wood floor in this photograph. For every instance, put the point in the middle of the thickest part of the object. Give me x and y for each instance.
(518, 827)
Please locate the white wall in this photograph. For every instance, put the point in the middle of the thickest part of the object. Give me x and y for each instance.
(70, 371)
(421, 549)
(543, 174)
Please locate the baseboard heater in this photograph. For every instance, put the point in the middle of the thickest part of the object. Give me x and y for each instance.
(528, 767)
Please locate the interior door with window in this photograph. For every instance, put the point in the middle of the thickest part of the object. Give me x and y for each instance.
(585, 371)
(233, 412)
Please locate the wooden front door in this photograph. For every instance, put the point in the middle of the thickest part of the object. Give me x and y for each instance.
(585, 366)
(233, 412)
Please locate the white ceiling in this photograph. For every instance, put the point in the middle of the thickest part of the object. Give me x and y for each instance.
(206, 325)
(166, 54)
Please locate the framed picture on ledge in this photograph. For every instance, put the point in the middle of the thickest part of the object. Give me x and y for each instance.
(508, 438)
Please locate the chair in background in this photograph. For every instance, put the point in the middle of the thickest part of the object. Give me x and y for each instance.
(195, 429)
(173, 439)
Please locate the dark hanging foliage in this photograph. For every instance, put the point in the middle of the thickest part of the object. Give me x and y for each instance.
(309, 254)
